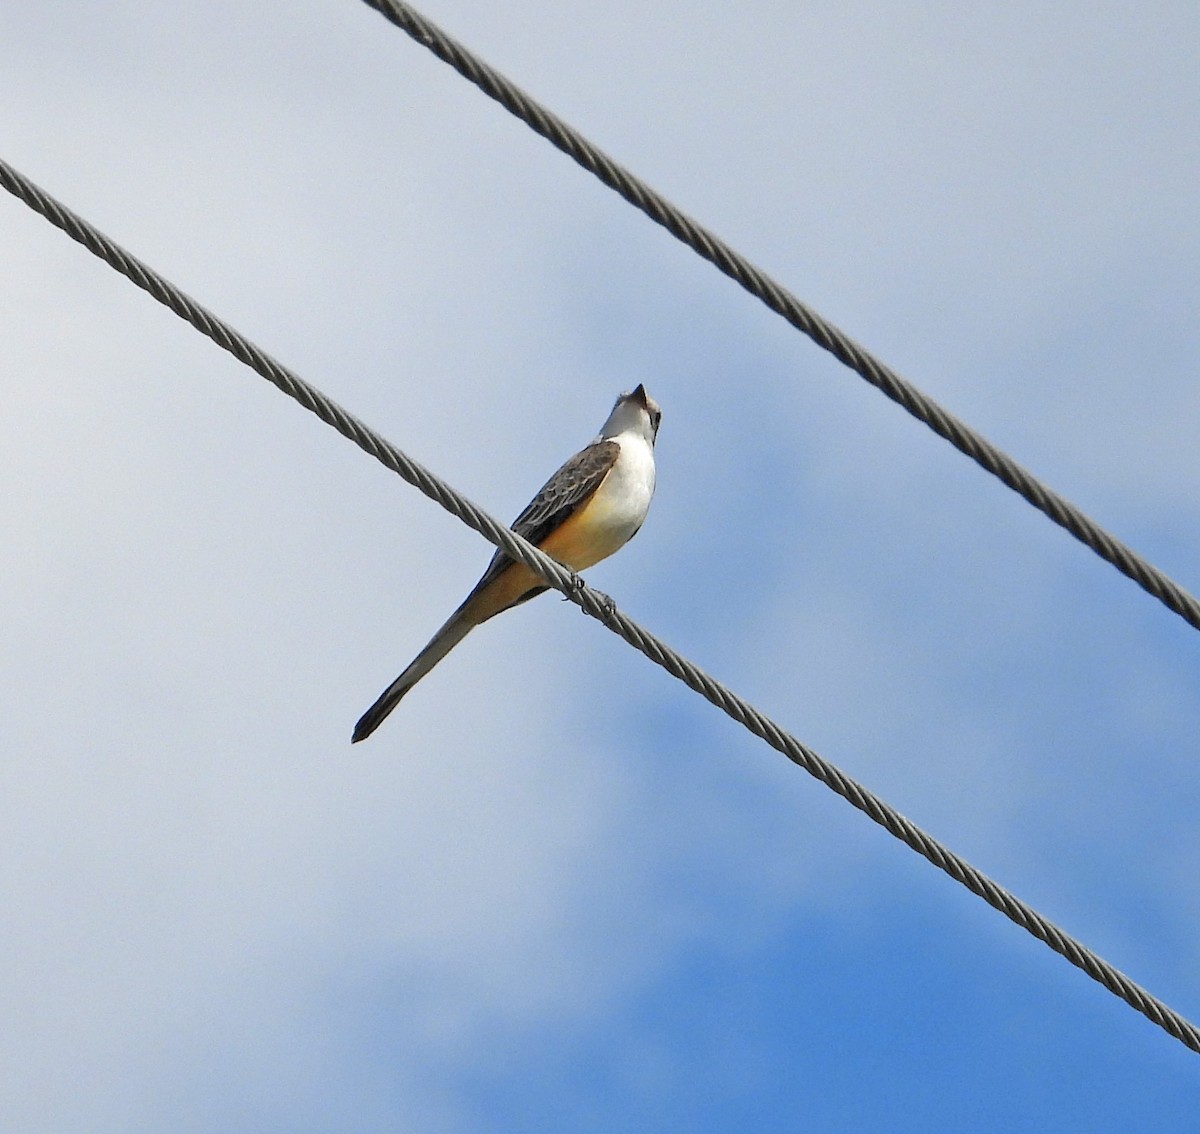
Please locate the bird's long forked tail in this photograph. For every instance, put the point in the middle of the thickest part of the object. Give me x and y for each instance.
(454, 631)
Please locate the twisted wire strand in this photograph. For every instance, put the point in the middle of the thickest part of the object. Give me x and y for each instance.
(600, 606)
(825, 334)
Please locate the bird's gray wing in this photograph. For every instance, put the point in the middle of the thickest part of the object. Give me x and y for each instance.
(559, 498)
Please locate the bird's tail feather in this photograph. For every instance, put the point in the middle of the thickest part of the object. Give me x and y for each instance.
(453, 632)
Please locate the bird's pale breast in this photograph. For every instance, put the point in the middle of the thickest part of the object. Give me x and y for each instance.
(615, 512)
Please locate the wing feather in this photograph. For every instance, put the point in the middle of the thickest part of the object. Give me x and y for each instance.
(558, 500)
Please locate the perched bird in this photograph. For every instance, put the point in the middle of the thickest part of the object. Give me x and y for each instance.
(590, 508)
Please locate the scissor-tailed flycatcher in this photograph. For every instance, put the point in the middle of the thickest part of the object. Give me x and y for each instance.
(590, 508)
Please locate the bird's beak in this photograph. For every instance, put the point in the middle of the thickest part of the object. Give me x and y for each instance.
(639, 394)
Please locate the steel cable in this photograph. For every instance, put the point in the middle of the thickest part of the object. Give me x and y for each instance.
(601, 607)
(780, 300)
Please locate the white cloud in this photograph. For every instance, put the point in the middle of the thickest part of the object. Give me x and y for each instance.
(203, 884)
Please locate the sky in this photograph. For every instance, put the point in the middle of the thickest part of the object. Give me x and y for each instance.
(556, 890)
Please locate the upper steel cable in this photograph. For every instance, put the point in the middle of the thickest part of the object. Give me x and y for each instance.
(599, 606)
(780, 300)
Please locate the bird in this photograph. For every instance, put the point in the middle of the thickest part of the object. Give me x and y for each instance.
(594, 505)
